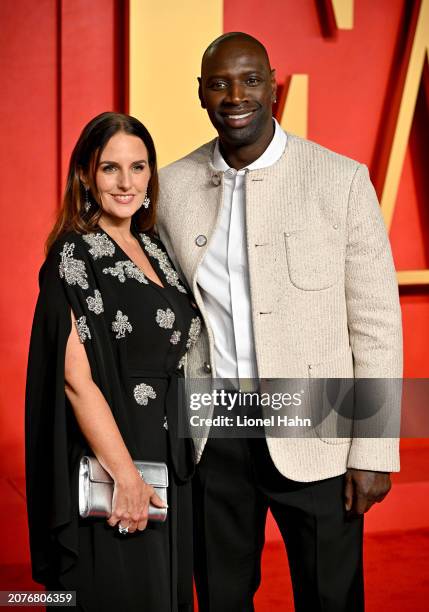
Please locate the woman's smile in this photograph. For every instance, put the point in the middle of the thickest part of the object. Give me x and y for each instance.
(123, 198)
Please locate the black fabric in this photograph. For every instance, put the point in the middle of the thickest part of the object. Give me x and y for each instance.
(109, 571)
(235, 484)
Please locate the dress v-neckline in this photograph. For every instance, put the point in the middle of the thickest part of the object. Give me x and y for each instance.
(148, 255)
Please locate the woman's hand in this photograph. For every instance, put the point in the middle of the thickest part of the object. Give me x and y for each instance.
(130, 503)
(131, 495)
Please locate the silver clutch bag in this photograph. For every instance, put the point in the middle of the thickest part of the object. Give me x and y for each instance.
(96, 487)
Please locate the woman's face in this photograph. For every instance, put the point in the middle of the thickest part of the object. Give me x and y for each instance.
(122, 176)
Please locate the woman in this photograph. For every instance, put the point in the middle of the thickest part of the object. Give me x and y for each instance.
(112, 325)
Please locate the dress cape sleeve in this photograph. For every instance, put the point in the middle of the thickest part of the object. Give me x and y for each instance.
(51, 525)
(54, 443)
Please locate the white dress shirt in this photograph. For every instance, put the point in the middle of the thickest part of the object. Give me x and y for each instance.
(223, 274)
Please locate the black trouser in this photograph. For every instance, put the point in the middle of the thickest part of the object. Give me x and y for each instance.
(235, 484)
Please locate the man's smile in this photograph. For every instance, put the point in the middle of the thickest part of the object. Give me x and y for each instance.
(238, 120)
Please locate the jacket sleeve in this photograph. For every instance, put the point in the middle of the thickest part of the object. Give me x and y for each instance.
(375, 330)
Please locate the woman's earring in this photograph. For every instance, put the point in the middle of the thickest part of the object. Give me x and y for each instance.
(87, 204)
(146, 202)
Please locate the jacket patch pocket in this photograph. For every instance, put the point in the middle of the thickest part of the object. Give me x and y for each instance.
(315, 258)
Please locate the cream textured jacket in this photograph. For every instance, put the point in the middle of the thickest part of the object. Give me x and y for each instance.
(323, 287)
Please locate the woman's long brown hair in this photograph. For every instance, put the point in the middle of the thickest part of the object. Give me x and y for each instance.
(84, 162)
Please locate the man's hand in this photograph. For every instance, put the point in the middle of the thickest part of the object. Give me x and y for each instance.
(364, 488)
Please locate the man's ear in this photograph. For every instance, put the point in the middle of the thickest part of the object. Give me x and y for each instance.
(274, 85)
(200, 93)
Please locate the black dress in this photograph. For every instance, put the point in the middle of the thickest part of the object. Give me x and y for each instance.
(136, 334)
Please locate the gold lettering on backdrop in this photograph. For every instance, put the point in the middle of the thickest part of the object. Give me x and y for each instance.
(167, 40)
(419, 56)
(293, 105)
(343, 13)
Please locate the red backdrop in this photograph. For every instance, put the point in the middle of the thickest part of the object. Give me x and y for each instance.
(63, 61)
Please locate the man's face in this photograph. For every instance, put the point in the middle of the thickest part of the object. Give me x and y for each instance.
(237, 88)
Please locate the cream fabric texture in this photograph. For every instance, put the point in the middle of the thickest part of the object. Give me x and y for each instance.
(323, 286)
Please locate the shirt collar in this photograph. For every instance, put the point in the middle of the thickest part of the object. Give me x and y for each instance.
(269, 157)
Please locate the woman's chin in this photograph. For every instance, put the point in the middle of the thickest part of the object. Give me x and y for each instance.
(120, 214)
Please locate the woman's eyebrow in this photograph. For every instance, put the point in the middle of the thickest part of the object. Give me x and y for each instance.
(113, 163)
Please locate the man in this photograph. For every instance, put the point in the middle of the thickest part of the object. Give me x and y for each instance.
(284, 247)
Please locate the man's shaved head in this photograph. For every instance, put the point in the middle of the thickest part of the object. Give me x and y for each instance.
(237, 87)
(234, 37)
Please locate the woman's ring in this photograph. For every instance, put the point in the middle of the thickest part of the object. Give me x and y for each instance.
(122, 530)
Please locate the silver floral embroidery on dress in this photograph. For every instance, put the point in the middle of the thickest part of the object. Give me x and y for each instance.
(121, 325)
(194, 331)
(142, 394)
(95, 304)
(175, 336)
(100, 245)
(126, 269)
(171, 275)
(165, 318)
(73, 270)
(82, 329)
(165, 424)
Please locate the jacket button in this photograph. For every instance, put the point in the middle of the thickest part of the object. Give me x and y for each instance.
(207, 367)
(200, 240)
(216, 180)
